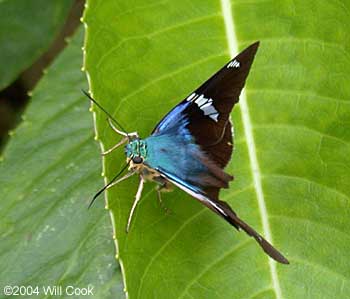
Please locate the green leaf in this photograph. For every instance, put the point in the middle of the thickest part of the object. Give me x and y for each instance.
(27, 29)
(292, 134)
(49, 172)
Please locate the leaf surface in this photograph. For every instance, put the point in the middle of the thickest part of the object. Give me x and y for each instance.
(292, 131)
(49, 172)
(27, 28)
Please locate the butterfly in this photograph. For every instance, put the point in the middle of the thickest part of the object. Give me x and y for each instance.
(190, 147)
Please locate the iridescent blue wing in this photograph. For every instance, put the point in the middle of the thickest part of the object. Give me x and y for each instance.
(207, 109)
(192, 144)
(203, 118)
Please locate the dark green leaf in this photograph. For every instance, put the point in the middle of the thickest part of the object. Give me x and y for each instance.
(51, 168)
(27, 28)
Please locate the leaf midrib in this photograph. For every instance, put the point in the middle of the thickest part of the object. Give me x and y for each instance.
(248, 132)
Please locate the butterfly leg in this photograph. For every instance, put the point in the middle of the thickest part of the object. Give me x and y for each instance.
(136, 201)
(129, 174)
(163, 186)
(161, 203)
(125, 139)
(128, 135)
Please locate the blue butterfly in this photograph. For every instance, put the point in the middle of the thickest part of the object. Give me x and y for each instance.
(198, 133)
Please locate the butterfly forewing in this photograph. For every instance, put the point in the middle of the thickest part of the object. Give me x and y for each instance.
(207, 109)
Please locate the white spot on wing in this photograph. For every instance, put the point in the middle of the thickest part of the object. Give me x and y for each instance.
(208, 104)
(209, 110)
(205, 104)
(201, 100)
(189, 98)
(214, 116)
(235, 63)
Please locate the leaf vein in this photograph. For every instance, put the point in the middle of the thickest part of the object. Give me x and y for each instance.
(248, 132)
(212, 264)
(167, 243)
(151, 35)
(298, 92)
(294, 177)
(299, 127)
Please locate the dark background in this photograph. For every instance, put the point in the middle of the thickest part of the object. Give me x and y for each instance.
(14, 98)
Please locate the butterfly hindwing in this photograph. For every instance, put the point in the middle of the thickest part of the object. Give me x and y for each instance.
(225, 211)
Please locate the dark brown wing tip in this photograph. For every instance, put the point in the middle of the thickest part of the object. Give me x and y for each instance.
(272, 251)
(249, 52)
(256, 44)
(264, 244)
(253, 47)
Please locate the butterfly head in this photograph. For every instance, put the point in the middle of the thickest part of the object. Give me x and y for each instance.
(136, 151)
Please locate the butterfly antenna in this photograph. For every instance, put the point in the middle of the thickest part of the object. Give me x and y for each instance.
(110, 183)
(105, 111)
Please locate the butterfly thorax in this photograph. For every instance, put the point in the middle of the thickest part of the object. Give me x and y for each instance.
(136, 148)
(136, 154)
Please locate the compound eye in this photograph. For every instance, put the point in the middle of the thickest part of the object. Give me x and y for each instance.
(137, 160)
